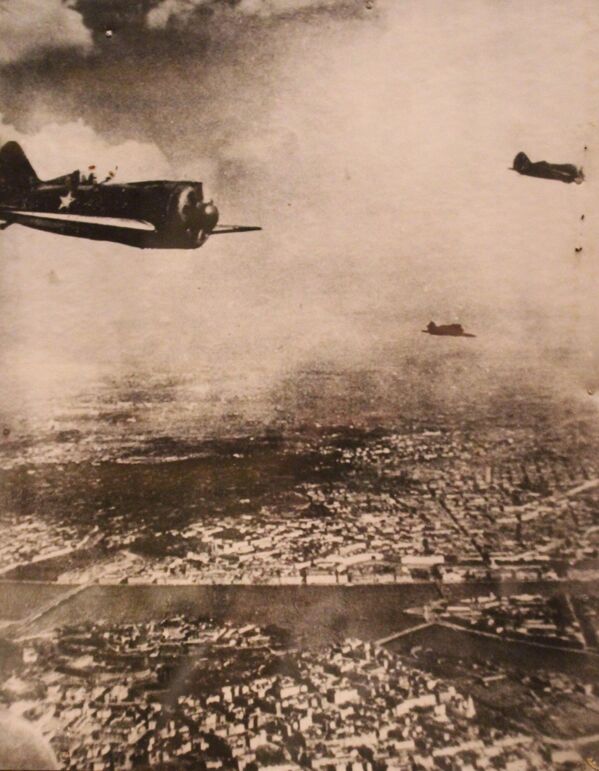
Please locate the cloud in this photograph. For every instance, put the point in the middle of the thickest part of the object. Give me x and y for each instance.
(181, 11)
(58, 148)
(170, 10)
(32, 26)
(286, 7)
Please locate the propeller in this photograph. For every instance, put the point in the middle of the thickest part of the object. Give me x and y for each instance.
(199, 218)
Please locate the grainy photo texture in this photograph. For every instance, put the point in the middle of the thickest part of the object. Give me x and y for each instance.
(299, 385)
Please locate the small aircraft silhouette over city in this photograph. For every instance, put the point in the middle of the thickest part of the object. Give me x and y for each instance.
(446, 330)
(563, 172)
(148, 215)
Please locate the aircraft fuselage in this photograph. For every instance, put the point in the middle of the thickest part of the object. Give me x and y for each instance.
(151, 215)
(175, 212)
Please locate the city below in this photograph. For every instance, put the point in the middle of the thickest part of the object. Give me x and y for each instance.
(374, 597)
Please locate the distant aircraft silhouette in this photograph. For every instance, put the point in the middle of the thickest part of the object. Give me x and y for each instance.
(563, 172)
(446, 330)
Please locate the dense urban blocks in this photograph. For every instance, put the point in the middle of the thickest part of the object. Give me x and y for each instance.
(197, 694)
(449, 505)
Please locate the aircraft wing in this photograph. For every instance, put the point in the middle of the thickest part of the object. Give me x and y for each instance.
(222, 229)
(47, 219)
(122, 230)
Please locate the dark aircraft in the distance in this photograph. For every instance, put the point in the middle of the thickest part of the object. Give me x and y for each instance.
(148, 215)
(564, 172)
(447, 330)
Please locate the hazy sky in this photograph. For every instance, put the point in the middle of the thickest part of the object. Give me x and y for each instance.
(372, 145)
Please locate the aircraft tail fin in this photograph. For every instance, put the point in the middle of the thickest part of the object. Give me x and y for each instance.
(15, 169)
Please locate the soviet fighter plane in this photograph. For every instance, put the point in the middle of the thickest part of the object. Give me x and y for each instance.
(148, 215)
(447, 330)
(564, 172)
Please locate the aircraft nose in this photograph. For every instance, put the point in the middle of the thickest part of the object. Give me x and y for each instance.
(209, 216)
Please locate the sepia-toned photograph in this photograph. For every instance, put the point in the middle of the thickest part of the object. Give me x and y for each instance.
(299, 385)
